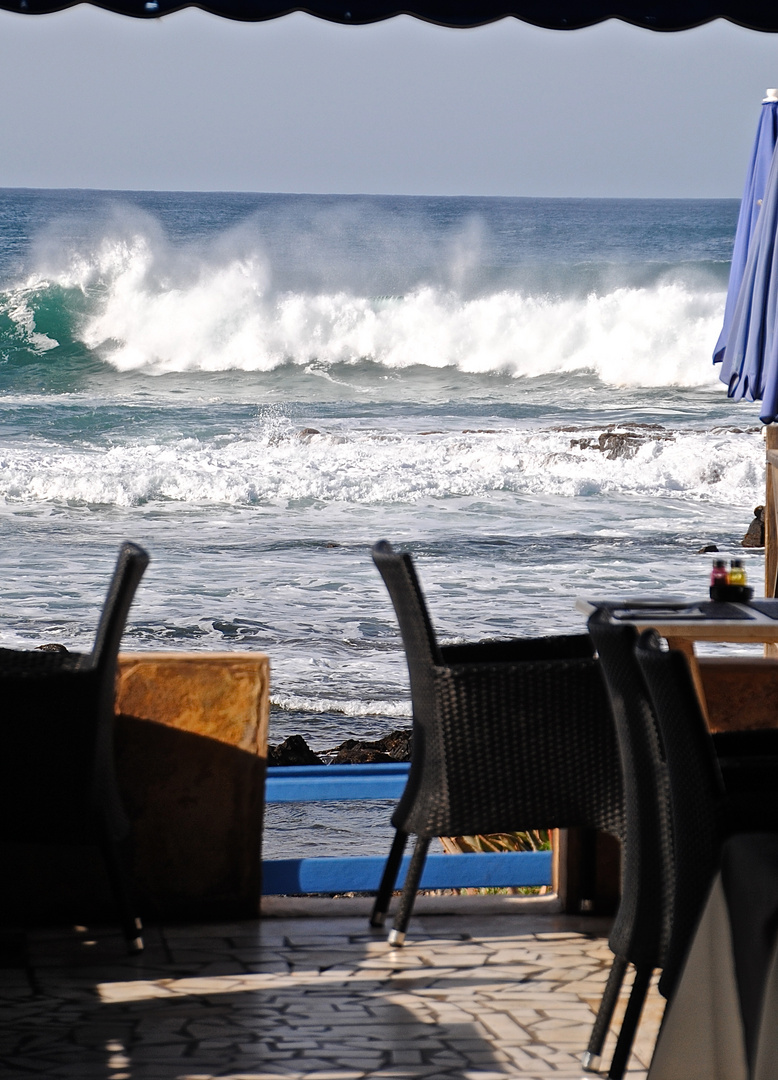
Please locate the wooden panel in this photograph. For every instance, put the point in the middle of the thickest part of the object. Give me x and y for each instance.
(741, 692)
(196, 807)
(686, 646)
(586, 871)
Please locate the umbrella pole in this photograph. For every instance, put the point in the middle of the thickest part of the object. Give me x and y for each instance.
(771, 519)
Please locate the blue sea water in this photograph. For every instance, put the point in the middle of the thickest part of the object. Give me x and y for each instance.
(257, 387)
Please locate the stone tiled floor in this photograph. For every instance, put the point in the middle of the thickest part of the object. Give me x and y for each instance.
(486, 994)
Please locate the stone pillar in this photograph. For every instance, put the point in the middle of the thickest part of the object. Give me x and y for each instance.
(191, 747)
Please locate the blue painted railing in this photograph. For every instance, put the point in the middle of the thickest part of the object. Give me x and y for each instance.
(362, 873)
(315, 783)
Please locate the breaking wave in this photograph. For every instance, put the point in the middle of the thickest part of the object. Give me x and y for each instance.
(135, 305)
(278, 464)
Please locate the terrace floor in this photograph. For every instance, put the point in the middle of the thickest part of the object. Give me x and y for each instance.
(503, 987)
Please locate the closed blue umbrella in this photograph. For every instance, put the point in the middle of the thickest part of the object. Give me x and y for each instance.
(753, 193)
(750, 360)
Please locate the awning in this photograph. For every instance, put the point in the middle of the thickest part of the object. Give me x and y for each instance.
(552, 14)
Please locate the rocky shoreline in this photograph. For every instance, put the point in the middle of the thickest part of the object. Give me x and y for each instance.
(394, 747)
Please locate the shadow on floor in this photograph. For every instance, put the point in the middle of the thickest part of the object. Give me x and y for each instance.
(473, 998)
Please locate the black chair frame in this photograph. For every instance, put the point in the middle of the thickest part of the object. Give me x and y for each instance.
(507, 736)
(57, 772)
(726, 778)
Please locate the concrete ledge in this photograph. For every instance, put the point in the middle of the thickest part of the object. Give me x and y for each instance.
(320, 907)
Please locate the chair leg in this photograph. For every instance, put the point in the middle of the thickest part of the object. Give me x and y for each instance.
(132, 927)
(630, 1022)
(388, 878)
(591, 1059)
(411, 887)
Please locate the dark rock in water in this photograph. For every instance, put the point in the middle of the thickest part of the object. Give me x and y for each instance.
(754, 537)
(706, 549)
(307, 433)
(615, 442)
(292, 751)
(360, 755)
(396, 746)
(52, 646)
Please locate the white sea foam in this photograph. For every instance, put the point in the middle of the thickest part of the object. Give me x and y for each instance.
(641, 337)
(274, 465)
(300, 703)
(153, 310)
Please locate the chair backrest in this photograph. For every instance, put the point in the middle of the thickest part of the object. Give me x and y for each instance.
(419, 640)
(641, 930)
(57, 763)
(696, 790)
(130, 567)
(506, 735)
(422, 655)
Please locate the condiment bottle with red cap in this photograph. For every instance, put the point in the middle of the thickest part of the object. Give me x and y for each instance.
(719, 575)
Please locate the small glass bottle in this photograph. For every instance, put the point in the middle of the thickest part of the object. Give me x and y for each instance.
(719, 575)
(737, 573)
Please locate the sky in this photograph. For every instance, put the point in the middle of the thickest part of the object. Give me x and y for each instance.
(195, 102)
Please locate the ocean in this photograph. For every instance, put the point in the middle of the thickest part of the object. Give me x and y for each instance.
(258, 387)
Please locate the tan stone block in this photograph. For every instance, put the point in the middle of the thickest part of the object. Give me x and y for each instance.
(222, 695)
(191, 741)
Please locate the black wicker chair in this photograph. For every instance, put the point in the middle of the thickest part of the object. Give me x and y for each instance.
(57, 777)
(507, 736)
(710, 796)
(642, 929)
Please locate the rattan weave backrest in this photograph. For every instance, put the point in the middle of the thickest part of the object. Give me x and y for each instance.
(696, 788)
(423, 656)
(57, 770)
(507, 735)
(419, 641)
(641, 929)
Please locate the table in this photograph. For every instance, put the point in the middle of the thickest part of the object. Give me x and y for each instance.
(695, 620)
(722, 1022)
